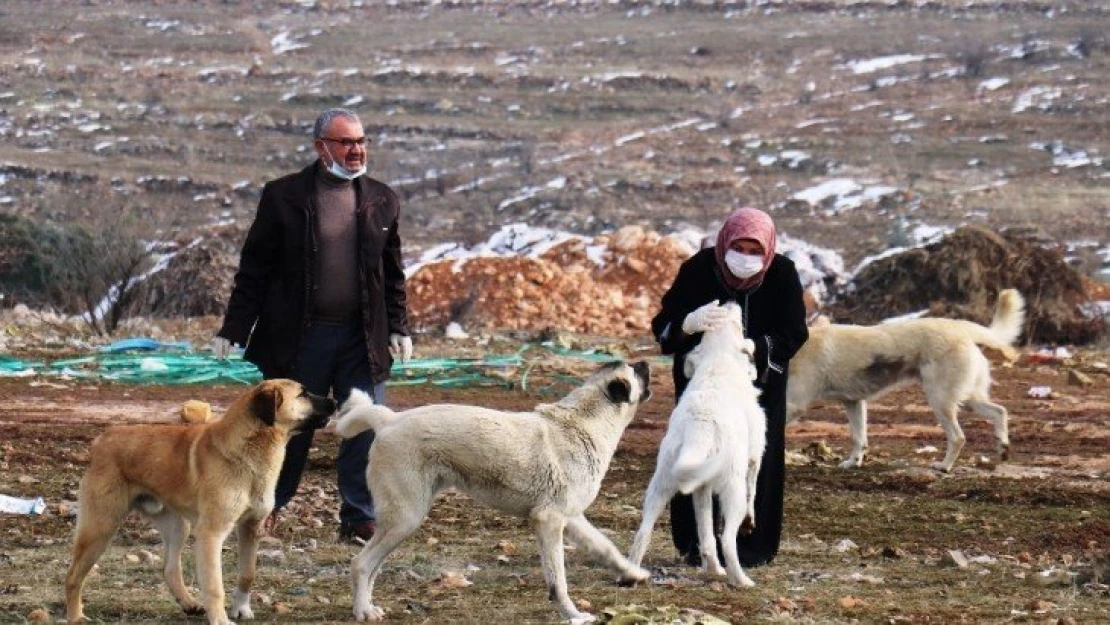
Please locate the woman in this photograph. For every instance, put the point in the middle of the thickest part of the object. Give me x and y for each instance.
(743, 267)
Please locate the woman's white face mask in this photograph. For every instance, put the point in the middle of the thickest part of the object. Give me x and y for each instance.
(743, 266)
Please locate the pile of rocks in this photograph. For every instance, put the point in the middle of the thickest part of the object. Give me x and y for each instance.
(609, 285)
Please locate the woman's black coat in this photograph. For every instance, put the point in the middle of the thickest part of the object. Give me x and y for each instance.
(775, 319)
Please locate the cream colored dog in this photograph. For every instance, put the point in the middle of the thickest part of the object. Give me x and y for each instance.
(210, 477)
(545, 465)
(714, 444)
(852, 364)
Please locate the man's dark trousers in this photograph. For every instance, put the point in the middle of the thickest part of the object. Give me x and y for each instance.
(333, 359)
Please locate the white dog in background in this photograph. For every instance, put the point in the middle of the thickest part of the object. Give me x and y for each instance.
(545, 465)
(852, 364)
(714, 442)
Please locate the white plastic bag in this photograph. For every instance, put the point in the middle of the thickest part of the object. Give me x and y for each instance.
(17, 505)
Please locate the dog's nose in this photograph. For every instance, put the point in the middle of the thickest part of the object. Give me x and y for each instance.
(324, 405)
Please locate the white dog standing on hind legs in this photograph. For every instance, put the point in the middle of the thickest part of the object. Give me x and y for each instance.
(545, 465)
(715, 441)
(853, 364)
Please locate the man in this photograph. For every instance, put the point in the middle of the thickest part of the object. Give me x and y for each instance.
(319, 297)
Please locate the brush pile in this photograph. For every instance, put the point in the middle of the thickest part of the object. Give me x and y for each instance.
(960, 276)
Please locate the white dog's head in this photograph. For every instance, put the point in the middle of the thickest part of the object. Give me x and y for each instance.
(727, 336)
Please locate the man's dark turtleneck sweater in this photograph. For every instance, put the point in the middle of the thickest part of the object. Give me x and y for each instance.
(336, 295)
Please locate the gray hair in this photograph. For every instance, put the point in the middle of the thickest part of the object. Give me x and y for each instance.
(326, 118)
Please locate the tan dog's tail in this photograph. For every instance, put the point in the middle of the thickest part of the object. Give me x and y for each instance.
(359, 413)
(1009, 317)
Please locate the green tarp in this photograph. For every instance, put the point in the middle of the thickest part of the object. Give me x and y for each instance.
(143, 361)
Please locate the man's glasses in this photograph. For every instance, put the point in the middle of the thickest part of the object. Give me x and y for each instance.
(349, 143)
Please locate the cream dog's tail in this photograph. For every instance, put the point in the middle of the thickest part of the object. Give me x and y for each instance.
(1009, 317)
(359, 413)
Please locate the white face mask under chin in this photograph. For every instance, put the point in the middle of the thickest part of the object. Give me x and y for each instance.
(339, 171)
(743, 266)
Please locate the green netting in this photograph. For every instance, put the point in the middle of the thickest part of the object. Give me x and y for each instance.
(157, 369)
(14, 367)
(142, 361)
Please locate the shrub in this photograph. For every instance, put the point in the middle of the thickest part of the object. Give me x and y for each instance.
(76, 269)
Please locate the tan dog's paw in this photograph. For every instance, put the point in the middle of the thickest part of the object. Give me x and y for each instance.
(192, 608)
(196, 412)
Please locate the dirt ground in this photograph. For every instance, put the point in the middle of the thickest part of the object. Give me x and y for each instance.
(867, 545)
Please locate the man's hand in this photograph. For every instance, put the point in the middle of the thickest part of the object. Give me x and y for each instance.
(221, 347)
(705, 318)
(401, 346)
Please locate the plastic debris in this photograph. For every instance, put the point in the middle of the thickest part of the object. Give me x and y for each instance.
(1040, 392)
(144, 344)
(19, 505)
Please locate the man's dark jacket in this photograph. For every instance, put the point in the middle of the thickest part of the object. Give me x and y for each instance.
(271, 302)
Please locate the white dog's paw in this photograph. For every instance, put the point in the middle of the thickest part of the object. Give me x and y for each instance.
(581, 618)
(633, 575)
(369, 613)
(942, 467)
(851, 463)
(241, 605)
(741, 582)
(747, 526)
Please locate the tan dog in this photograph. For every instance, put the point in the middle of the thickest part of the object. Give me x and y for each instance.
(545, 465)
(211, 477)
(852, 364)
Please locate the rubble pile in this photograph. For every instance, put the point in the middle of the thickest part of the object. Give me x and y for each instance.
(960, 276)
(608, 286)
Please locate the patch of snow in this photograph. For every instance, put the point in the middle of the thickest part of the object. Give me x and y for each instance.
(285, 42)
(1064, 157)
(991, 84)
(830, 188)
(868, 66)
(1038, 97)
(920, 235)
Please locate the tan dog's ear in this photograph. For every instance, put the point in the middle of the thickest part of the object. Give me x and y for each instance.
(619, 391)
(266, 402)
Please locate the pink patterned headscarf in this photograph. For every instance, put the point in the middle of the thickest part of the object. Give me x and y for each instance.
(746, 223)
